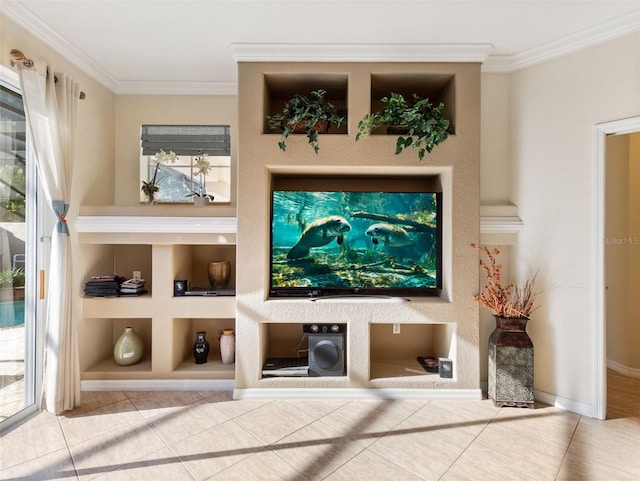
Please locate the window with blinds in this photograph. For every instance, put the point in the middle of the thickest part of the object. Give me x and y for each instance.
(202, 166)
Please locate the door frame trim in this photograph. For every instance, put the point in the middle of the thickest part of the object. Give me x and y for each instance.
(618, 127)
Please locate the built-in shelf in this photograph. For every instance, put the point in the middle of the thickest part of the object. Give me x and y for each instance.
(163, 249)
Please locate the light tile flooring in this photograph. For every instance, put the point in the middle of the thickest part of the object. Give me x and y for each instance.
(178, 436)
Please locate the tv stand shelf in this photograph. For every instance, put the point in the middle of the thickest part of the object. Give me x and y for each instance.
(163, 249)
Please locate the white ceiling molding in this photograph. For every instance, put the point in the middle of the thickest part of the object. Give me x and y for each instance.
(176, 88)
(604, 32)
(353, 52)
(339, 52)
(22, 16)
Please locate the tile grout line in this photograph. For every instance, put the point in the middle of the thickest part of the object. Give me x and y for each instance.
(470, 444)
(566, 451)
(66, 443)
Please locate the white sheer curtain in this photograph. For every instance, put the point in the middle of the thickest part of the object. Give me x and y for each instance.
(51, 107)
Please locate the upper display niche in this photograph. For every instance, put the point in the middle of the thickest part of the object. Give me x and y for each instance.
(435, 87)
(280, 88)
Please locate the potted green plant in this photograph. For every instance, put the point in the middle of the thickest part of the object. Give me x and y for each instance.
(310, 115)
(421, 125)
(12, 284)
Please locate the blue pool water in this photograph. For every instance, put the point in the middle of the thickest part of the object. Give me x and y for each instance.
(11, 314)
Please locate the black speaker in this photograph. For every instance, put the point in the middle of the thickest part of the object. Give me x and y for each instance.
(179, 287)
(326, 349)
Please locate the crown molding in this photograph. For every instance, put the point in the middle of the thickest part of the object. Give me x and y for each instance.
(589, 37)
(21, 15)
(176, 88)
(349, 52)
(359, 52)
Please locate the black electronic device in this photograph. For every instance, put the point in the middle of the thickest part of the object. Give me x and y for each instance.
(445, 367)
(180, 287)
(210, 292)
(326, 349)
(355, 236)
(286, 367)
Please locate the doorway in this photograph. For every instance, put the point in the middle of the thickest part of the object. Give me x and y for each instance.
(617, 243)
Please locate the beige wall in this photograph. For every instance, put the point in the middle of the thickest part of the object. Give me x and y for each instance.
(616, 251)
(132, 111)
(93, 172)
(495, 168)
(553, 109)
(622, 251)
(93, 175)
(633, 319)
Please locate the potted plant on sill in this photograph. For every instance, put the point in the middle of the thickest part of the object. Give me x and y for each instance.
(510, 373)
(310, 115)
(150, 187)
(420, 124)
(12, 284)
(202, 167)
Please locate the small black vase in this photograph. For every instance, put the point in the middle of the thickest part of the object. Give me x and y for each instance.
(201, 347)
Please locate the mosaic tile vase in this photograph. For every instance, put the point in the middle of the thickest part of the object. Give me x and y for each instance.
(511, 363)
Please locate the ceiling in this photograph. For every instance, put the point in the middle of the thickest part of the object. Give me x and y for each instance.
(192, 46)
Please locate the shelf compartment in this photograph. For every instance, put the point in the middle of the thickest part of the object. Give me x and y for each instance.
(284, 340)
(279, 88)
(395, 355)
(436, 87)
(184, 335)
(191, 262)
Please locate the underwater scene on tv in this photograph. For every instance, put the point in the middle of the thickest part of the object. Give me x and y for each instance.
(346, 240)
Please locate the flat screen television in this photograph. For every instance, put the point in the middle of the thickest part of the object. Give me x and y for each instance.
(355, 237)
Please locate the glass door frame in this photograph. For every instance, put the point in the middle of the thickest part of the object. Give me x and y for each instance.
(34, 305)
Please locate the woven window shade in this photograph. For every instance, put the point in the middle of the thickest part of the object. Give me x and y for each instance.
(215, 140)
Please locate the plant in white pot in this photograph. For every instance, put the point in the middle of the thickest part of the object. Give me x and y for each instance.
(202, 167)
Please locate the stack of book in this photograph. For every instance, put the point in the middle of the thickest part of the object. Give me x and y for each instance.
(103, 286)
(133, 287)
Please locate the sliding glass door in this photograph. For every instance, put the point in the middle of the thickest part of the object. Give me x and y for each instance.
(19, 353)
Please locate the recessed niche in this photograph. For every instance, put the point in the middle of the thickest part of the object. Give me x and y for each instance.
(284, 340)
(184, 335)
(394, 353)
(191, 262)
(279, 88)
(436, 87)
(106, 367)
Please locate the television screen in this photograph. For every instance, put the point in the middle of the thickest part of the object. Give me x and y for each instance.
(355, 243)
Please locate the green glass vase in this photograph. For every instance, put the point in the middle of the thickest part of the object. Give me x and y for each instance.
(129, 348)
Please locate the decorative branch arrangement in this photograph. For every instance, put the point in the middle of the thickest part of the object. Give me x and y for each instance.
(510, 300)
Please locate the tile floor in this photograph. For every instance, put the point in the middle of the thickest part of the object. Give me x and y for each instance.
(177, 436)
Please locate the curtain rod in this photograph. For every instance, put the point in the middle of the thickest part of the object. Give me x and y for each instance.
(18, 56)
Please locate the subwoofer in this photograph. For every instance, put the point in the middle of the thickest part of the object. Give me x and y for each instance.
(326, 349)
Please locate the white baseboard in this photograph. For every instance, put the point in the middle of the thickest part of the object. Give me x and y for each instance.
(160, 385)
(367, 394)
(622, 369)
(577, 407)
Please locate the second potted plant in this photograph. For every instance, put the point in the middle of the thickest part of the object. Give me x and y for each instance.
(310, 115)
(421, 125)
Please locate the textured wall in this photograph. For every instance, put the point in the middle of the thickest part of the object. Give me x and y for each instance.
(456, 161)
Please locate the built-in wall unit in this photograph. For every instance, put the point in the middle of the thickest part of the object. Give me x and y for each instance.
(162, 249)
(381, 333)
